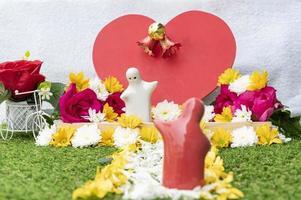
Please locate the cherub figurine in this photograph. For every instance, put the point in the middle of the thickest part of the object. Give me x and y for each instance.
(137, 96)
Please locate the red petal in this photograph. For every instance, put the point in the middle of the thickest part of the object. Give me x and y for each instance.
(150, 46)
(169, 47)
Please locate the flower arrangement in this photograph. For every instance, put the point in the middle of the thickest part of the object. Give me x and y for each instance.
(245, 95)
(135, 170)
(93, 100)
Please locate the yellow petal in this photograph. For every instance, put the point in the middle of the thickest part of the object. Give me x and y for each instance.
(129, 121)
(228, 76)
(113, 85)
(258, 80)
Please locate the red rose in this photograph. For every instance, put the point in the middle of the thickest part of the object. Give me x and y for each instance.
(21, 75)
(116, 102)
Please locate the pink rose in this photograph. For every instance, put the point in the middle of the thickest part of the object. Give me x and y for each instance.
(262, 103)
(74, 105)
(224, 99)
(116, 102)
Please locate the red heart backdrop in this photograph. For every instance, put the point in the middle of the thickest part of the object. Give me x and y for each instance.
(208, 48)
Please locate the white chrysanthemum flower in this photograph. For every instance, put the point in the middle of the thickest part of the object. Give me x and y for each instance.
(240, 85)
(95, 117)
(44, 137)
(145, 175)
(45, 93)
(208, 113)
(242, 115)
(283, 138)
(86, 135)
(244, 136)
(125, 136)
(99, 88)
(166, 111)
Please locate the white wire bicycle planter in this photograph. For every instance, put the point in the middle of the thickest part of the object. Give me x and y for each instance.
(22, 117)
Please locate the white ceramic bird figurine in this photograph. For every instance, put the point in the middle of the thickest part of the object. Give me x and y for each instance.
(137, 96)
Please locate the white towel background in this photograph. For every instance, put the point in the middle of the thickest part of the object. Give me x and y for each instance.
(62, 33)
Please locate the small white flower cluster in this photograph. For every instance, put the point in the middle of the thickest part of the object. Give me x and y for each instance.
(45, 93)
(242, 115)
(240, 85)
(99, 88)
(125, 136)
(166, 111)
(85, 136)
(94, 116)
(45, 136)
(244, 136)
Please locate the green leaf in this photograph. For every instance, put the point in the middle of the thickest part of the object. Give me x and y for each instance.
(105, 160)
(57, 90)
(4, 94)
(288, 125)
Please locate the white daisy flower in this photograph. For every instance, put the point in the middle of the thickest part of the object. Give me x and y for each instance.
(208, 113)
(240, 85)
(95, 117)
(242, 115)
(244, 136)
(45, 136)
(86, 135)
(99, 88)
(166, 111)
(125, 136)
(45, 93)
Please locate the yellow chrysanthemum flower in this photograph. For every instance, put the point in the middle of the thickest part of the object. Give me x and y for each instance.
(109, 112)
(80, 81)
(62, 137)
(113, 85)
(107, 137)
(205, 130)
(149, 134)
(95, 188)
(129, 121)
(214, 166)
(228, 76)
(258, 80)
(221, 138)
(107, 179)
(267, 135)
(215, 174)
(225, 116)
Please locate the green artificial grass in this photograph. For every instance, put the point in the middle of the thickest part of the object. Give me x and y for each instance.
(37, 173)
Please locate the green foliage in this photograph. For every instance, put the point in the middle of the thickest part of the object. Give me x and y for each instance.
(290, 126)
(4, 94)
(57, 90)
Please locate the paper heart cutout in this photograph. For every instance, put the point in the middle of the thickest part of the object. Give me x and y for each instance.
(208, 48)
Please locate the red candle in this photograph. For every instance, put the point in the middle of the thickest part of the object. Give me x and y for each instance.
(185, 147)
